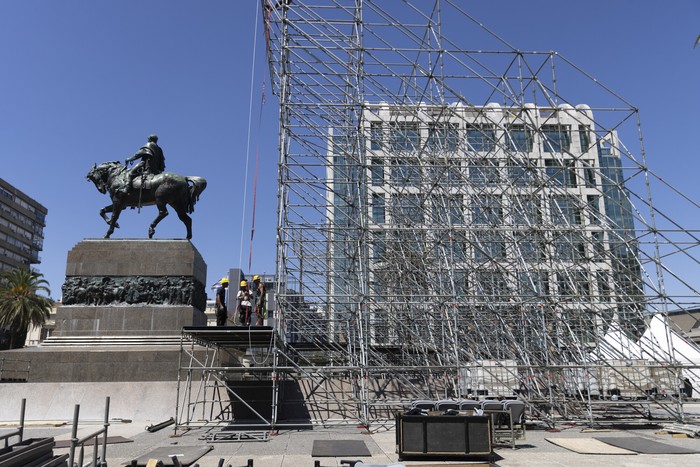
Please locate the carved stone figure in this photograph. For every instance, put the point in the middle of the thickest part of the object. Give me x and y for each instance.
(132, 291)
(180, 192)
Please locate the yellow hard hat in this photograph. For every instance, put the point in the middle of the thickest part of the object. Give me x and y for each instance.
(256, 278)
(244, 283)
(224, 280)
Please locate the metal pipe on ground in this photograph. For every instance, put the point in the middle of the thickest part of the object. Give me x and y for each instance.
(160, 426)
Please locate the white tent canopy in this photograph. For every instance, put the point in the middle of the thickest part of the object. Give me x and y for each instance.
(660, 345)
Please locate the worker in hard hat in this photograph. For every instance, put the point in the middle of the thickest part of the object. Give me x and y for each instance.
(245, 304)
(221, 308)
(259, 299)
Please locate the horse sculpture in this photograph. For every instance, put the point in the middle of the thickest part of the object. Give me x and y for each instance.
(166, 188)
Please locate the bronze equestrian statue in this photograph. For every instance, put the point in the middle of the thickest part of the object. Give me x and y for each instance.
(161, 189)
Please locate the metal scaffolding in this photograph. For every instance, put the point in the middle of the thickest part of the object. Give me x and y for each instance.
(464, 220)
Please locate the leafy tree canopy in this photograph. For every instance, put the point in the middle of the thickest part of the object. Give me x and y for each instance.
(20, 304)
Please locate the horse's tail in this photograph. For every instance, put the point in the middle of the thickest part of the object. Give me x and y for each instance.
(197, 186)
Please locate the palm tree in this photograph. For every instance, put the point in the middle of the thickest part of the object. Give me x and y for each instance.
(20, 305)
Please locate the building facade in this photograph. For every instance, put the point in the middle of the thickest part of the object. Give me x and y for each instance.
(22, 222)
(515, 221)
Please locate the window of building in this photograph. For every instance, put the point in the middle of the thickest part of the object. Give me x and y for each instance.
(483, 171)
(529, 246)
(604, 289)
(519, 138)
(406, 209)
(562, 173)
(556, 138)
(565, 210)
(405, 172)
(584, 137)
(340, 145)
(448, 210)
(18, 230)
(378, 209)
(597, 238)
(582, 284)
(408, 244)
(525, 210)
(522, 172)
(6, 194)
(378, 245)
(533, 284)
(588, 174)
(16, 242)
(442, 136)
(486, 210)
(569, 246)
(593, 202)
(375, 136)
(377, 172)
(489, 245)
(445, 172)
(452, 245)
(342, 216)
(481, 138)
(404, 136)
(461, 283)
(490, 284)
(574, 285)
(565, 286)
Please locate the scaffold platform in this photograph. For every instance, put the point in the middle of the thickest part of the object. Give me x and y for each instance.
(233, 337)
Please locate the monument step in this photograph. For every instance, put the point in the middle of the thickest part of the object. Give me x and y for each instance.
(111, 341)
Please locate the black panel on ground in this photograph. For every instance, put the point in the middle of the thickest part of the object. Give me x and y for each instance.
(645, 446)
(339, 448)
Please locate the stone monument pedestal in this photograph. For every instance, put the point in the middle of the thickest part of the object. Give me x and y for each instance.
(136, 320)
(132, 287)
(124, 305)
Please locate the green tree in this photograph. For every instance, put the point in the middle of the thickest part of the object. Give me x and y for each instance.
(20, 304)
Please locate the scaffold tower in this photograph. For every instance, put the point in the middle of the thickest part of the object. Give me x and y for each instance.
(463, 219)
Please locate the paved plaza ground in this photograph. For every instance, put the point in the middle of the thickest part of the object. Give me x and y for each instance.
(293, 448)
(150, 403)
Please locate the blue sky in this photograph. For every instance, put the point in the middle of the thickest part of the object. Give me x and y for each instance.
(85, 82)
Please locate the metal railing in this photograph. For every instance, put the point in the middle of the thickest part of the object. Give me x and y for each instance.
(78, 444)
(19, 431)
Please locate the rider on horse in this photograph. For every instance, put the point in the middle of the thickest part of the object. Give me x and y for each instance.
(152, 162)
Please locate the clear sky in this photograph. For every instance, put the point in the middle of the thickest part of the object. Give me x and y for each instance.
(86, 81)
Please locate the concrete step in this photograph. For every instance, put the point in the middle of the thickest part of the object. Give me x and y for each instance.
(110, 341)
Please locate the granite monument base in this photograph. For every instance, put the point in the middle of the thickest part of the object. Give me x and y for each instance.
(134, 320)
(95, 363)
(124, 305)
